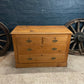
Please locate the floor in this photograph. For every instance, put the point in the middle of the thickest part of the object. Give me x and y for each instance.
(73, 73)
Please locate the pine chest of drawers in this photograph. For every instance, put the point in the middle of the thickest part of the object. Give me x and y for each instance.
(41, 46)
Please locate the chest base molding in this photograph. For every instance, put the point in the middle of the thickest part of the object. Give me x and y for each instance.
(63, 64)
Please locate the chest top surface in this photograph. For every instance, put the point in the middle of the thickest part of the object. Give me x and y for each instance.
(23, 29)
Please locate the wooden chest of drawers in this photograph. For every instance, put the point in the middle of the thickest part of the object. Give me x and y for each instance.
(41, 46)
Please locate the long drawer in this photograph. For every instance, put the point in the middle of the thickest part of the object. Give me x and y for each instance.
(42, 58)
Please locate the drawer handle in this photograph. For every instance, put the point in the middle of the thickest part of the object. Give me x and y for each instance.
(29, 41)
(54, 41)
(53, 58)
(29, 58)
(29, 49)
(54, 48)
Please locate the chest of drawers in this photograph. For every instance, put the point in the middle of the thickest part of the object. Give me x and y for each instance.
(41, 46)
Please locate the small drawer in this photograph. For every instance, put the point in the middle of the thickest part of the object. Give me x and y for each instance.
(60, 48)
(28, 40)
(42, 58)
(29, 50)
(54, 40)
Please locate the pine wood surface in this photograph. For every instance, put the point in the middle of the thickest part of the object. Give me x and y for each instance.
(42, 58)
(40, 30)
(43, 64)
(44, 47)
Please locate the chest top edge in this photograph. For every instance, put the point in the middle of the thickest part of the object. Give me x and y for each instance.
(41, 30)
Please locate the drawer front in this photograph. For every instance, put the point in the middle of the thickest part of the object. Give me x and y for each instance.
(42, 58)
(28, 40)
(23, 50)
(60, 48)
(54, 39)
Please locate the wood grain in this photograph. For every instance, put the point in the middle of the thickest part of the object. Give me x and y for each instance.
(40, 30)
(38, 46)
(61, 64)
(42, 58)
(68, 45)
(15, 48)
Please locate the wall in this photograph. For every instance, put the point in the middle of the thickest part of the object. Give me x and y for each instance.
(39, 12)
